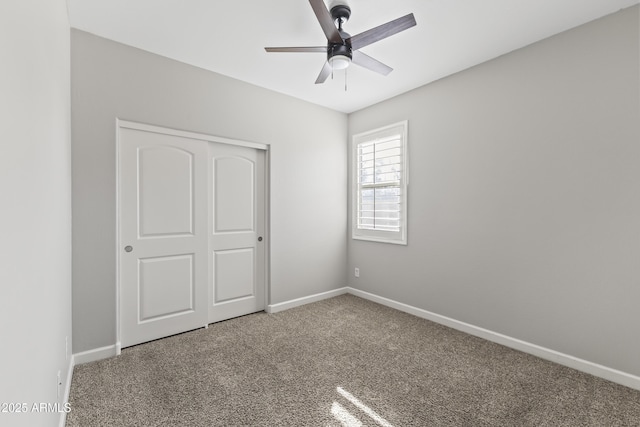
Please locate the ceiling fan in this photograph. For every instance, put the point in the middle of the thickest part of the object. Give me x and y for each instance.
(342, 48)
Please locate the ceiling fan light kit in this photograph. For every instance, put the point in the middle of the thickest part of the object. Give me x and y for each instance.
(343, 49)
(340, 62)
(339, 56)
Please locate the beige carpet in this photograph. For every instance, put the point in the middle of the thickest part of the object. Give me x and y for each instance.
(342, 361)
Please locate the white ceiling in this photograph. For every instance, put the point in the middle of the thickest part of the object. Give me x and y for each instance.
(228, 37)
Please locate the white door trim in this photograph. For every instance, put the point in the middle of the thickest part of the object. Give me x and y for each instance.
(127, 124)
(187, 134)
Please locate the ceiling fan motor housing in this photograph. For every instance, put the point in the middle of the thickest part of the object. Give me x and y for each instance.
(335, 49)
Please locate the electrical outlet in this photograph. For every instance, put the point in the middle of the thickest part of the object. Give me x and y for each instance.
(357, 272)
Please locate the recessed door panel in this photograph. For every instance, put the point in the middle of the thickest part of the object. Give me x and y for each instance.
(166, 287)
(233, 204)
(233, 274)
(165, 191)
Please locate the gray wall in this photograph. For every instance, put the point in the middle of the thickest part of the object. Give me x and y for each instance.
(308, 169)
(35, 206)
(524, 198)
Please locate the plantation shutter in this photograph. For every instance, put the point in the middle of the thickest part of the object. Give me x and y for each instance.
(380, 191)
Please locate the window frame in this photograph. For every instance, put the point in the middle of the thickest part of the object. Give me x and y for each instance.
(394, 237)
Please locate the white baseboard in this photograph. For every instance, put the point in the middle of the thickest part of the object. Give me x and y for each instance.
(95, 354)
(275, 308)
(595, 369)
(67, 390)
(616, 376)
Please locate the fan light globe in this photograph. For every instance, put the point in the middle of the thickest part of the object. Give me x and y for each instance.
(340, 62)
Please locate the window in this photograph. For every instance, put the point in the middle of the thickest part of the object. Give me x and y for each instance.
(380, 185)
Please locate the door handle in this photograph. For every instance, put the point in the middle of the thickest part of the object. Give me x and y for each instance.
(260, 239)
(128, 248)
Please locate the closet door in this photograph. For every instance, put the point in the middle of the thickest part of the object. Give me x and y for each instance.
(237, 237)
(192, 221)
(163, 234)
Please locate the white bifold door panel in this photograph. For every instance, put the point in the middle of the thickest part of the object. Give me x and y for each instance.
(191, 232)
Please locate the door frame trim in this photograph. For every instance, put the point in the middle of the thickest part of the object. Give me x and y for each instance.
(128, 124)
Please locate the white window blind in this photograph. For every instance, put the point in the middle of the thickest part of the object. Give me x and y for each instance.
(380, 184)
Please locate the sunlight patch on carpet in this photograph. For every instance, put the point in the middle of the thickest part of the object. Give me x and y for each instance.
(349, 420)
(341, 414)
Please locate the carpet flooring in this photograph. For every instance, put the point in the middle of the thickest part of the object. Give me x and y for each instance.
(344, 361)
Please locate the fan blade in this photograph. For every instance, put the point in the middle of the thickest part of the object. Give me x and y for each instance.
(369, 63)
(382, 31)
(324, 73)
(326, 21)
(320, 49)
